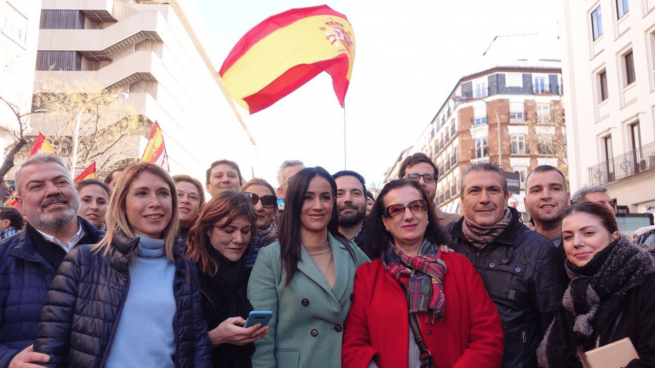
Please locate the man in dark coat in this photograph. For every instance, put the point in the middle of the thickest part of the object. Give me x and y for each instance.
(351, 205)
(523, 273)
(30, 259)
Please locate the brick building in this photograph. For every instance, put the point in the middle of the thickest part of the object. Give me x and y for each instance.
(465, 129)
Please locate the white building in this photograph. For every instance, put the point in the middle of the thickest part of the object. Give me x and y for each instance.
(19, 33)
(609, 76)
(159, 53)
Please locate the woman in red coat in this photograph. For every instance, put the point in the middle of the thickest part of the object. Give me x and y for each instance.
(411, 279)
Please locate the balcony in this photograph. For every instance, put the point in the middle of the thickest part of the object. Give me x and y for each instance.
(630, 163)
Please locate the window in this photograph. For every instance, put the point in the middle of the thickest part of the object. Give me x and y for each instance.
(629, 64)
(481, 148)
(480, 89)
(14, 24)
(480, 113)
(453, 130)
(607, 156)
(545, 144)
(596, 23)
(514, 80)
(602, 85)
(543, 113)
(523, 172)
(622, 7)
(540, 85)
(518, 144)
(516, 112)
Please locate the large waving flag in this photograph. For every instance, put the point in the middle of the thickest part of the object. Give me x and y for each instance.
(286, 51)
(155, 151)
(88, 173)
(41, 145)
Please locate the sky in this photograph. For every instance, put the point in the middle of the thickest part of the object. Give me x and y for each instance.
(409, 57)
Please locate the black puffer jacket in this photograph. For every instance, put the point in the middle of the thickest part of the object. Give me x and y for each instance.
(525, 277)
(82, 308)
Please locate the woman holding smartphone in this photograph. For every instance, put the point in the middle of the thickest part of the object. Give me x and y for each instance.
(132, 300)
(305, 279)
(217, 244)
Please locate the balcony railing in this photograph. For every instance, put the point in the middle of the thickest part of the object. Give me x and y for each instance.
(628, 164)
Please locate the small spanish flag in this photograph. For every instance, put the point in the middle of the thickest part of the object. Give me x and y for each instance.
(88, 173)
(11, 201)
(155, 151)
(287, 50)
(41, 145)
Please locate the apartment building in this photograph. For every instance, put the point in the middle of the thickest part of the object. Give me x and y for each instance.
(19, 32)
(159, 53)
(510, 113)
(609, 65)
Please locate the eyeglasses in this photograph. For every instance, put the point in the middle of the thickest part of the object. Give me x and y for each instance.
(268, 201)
(427, 178)
(393, 210)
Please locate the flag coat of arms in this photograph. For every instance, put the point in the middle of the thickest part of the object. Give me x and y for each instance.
(286, 51)
(41, 145)
(155, 151)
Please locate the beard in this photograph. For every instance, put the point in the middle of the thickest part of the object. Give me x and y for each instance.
(57, 219)
(351, 219)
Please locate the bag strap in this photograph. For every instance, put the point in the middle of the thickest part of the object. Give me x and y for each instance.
(426, 356)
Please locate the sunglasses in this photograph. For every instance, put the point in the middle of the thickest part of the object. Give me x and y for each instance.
(393, 210)
(427, 178)
(268, 201)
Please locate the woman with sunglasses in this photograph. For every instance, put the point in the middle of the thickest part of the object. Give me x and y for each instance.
(217, 244)
(262, 196)
(305, 279)
(415, 304)
(611, 295)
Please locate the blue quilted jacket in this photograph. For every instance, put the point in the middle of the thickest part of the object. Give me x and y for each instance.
(25, 277)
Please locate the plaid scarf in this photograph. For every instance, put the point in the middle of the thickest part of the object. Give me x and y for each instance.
(481, 235)
(420, 277)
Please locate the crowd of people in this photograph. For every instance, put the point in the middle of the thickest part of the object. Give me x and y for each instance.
(141, 271)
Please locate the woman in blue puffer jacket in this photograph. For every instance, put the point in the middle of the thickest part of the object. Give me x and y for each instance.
(132, 300)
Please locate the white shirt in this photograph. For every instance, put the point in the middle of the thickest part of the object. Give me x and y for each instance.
(71, 242)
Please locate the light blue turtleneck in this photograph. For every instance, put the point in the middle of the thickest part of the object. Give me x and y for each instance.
(145, 335)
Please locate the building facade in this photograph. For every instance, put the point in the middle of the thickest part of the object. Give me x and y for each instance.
(609, 64)
(513, 112)
(19, 34)
(159, 53)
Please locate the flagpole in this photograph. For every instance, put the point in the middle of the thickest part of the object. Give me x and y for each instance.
(344, 135)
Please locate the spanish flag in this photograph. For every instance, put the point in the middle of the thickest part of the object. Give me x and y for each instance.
(286, 51)
(41, 145)
(155, 151)
(88, 173)
(11, 201)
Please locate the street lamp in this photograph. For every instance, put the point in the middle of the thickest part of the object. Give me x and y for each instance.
(500, 149)
(120, 96)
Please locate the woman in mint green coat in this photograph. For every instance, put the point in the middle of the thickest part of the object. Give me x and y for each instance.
(305, 279)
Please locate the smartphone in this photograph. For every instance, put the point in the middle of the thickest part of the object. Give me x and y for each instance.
(256, 317)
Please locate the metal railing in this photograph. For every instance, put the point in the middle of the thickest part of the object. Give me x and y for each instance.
(628, 164)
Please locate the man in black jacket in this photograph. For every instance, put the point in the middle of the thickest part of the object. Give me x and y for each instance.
(29, 260)
(522, 271)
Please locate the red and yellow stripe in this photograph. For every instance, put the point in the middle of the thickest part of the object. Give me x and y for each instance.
(88, 173)
(287, 50)
(41, 145)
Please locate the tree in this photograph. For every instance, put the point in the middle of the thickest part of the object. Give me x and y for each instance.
(553, 145)
(109, 129)
(19, 143)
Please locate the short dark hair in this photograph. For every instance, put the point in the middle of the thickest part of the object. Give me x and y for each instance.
(414, 159)
(370, 195)
(377, 237)
(13, 215)
(196, 183)
(354, 174)
(546, 168)
(111, 174)
(485, 166)
(86, 182)
(599, 211)
(224, 162)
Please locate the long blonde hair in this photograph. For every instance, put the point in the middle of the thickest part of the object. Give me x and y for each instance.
(116, 213)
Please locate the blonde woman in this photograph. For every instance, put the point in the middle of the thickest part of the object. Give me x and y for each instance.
(132, 300)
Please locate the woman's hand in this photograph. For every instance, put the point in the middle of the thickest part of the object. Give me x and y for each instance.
(444, 248)
(231, 332)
